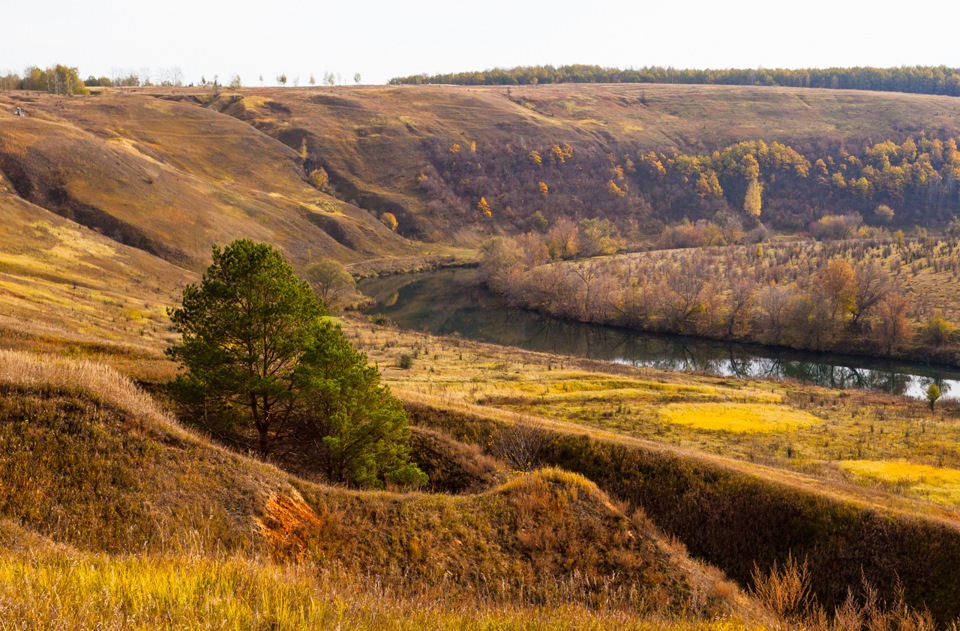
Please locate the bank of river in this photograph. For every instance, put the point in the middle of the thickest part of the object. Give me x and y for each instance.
(449, 302)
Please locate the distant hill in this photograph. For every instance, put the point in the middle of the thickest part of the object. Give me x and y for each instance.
(170, 171)
(429, 154)
(171, 179)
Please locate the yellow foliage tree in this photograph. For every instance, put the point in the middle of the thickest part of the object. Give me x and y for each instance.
(319, 179)
(544, 189)
(484, 206)
(561, 154)
(613, 189)
(535, 158)
(753, 200)
(455, 149)
(390, 221)
(708, 186)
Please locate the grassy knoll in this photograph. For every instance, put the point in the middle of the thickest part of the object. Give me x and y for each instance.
(111, 512)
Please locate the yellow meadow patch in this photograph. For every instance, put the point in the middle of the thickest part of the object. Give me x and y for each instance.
(937, 484)
(738, 418)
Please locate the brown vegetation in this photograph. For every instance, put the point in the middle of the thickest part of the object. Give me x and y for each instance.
(884, 296)
(90, 462)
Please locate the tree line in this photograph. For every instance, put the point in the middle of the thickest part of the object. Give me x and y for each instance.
(913, 79)
(58, 79)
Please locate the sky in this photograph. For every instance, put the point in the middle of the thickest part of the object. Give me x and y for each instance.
(381, 39)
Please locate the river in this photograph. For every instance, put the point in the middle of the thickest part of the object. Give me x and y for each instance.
(449, 302)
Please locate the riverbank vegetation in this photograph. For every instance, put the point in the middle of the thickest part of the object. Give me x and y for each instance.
(885, 296)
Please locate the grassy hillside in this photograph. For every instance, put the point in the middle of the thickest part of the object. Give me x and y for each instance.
(167, 171)
(172, 179)
(377, 143)
(93, 469)
(849, 480)
(67, 289)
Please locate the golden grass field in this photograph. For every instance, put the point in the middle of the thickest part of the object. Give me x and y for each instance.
(113, 514)
(788, 426)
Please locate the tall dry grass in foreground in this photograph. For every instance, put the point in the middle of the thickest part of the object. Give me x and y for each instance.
(47, 374)
(49, 587)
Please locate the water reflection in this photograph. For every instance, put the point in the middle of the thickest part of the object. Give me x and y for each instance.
(454, 301)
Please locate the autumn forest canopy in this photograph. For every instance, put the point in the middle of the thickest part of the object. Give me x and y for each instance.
(530, 188)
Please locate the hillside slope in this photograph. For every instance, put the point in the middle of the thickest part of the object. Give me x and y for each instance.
(91, 462)
(390, 148)
(68, 289)
(171, 179)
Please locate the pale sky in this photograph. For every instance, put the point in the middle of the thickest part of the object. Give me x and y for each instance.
(381, 39)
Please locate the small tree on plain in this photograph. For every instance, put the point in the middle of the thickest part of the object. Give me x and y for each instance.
(256, 352)
(332, 283)
(244, 329)
(933, 395)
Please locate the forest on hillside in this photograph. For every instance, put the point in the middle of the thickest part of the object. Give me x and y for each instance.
(519, 187)
(912, 79)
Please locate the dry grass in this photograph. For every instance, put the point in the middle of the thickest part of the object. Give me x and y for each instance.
(49, 375)
(937, 484)
(91, 464)
(66, 590)
(826, 427)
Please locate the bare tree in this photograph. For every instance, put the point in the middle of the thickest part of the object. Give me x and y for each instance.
(892, 327)
(521, 444)
(871, 286)
(740, 302)
(774, 302)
